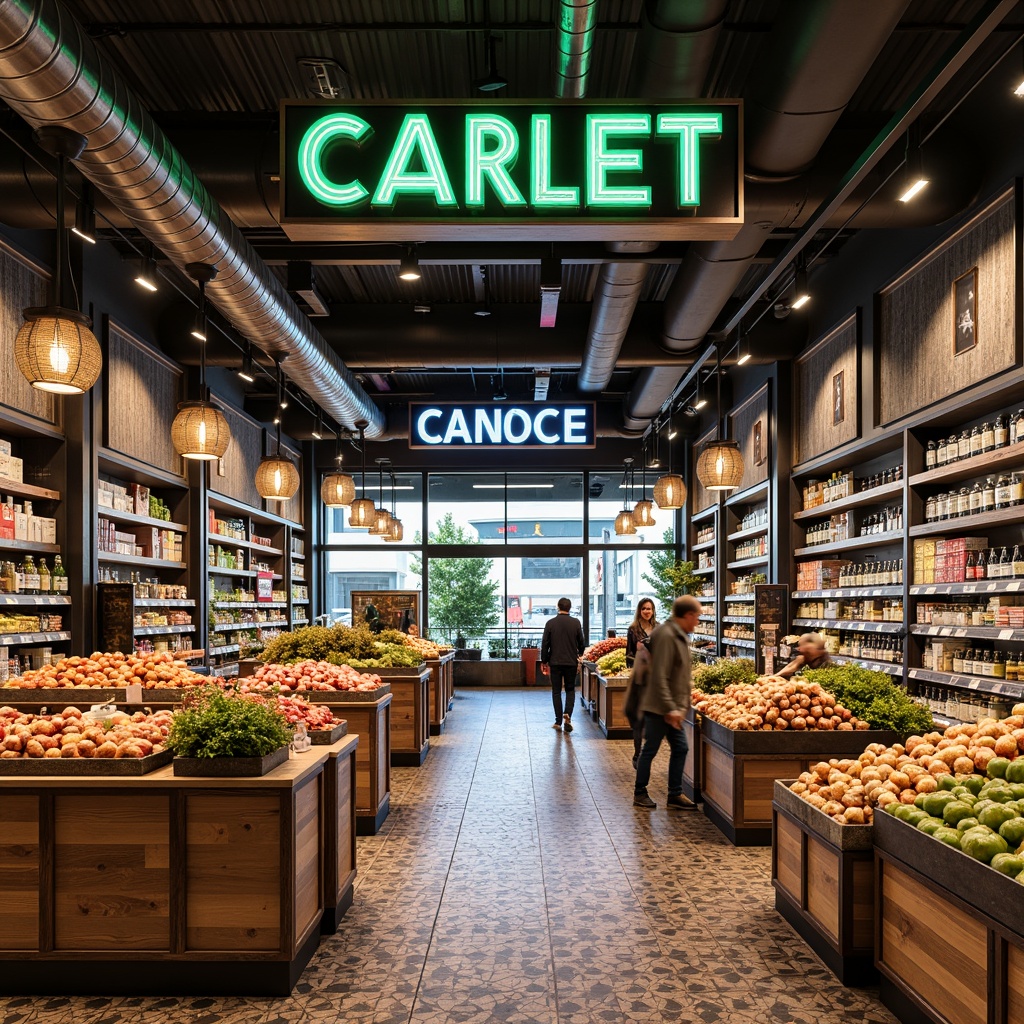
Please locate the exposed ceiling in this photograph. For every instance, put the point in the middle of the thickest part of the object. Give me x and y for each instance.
(213, 73)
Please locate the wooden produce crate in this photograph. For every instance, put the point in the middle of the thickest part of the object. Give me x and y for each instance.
(410, 715)
(588, 686)
(441, 690)
(949, 934)
(611, 695)
(691, 770)
(200, 886)
(339, 831)
(823, 874)
(739, 769)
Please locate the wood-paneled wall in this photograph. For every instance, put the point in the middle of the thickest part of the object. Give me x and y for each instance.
(241, 460)
(743, 422)
(143, 390)
(815, 380)
(916, 365)
(21, 285)
(700, 499)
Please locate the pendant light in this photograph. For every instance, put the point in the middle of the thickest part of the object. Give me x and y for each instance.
(397, 530)
(277, 479)
(361, 514)
(381, 525)
(669, 489)
(338, 489)
(720, 464)
(55, 348)
(643, 510)
(200, 430)
(624, 525)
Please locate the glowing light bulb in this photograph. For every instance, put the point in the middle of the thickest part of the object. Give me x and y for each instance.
(60, 358)
(277, 480)
(202, 434)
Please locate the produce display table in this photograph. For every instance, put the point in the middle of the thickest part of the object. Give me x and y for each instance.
(339, 832)
(611, 695)
(691, 770)
(163, 885)
(442, 690)
(949, 934)
(410, 715)
(588, 686)
(739, 769)
(823, 874)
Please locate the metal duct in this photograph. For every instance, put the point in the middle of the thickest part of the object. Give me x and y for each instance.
(812, 63)
(675, 48)
(574, 43)
(51, 73)
(616, 294)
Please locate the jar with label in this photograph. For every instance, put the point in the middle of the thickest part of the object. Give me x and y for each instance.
(988, 437)
(1016, 488)
(988, 495)
(1002, 433)
(929, 509)
(975, 500)
(952, 711)
(940, 452)
(963, 502)
(952, 448)
(958, 661)
(1020, 424)
(975, 441)
(1012, 666)
(931, 453)
(1002, 492)
(964, 445)
(998, 665)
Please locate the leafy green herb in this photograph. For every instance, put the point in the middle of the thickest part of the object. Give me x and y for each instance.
(214, 723)
(875, 697)
(714, 678)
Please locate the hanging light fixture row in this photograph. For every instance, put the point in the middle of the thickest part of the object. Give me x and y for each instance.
(55, 348)
(277, 479)
(669, 489)
(338, 489)
(720, 464)
(643, 510)
(361, 511)
(624, 525)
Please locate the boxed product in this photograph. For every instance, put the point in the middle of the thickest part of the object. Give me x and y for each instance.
(105, 494)
(5, 448)
(7, 521)
(819, 575)
(140, 499)
(15, 469)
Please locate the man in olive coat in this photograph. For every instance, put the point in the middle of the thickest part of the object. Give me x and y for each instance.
(664, 701)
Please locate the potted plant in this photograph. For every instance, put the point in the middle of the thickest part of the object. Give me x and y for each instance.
(224, 734)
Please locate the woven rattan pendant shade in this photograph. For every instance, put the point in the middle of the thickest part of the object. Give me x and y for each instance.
(381, 526)
(669, 492)
(397, 531)
(200, 432)
(56, 351)
(277, 479)
(338, 490)
(362, 513)
(720, 466)
(624, 525)
(643, 514)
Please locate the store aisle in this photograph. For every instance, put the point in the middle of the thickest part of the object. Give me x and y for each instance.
(515, 882)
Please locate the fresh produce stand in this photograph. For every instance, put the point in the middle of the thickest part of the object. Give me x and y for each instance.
(165, 885)
(588, 687)
(339, 833)
(611, 695)
(823, 874)
(442, 690)
(410, 715)
(691, 770)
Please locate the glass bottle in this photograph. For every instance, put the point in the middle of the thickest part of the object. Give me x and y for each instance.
(1017, 563)
(12, 579)
(1020, 425)
(988, 495)
(963, 502)
(1017, 487)
(1002, 492)
(44, 577)
(980, 567)
(1002, 434)
(941, 452)
(998, 665)
(59, 580)
(931, 453)
(952, 448)
(988, 437)
(975, 441)
(964, 445)
(30, 575)
(975, 499)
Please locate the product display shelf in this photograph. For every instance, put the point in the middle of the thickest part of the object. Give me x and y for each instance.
(854, 624)
(748, 563)
(890, 537)
(704, 514)
(860, 499)
(887, 591)
(611, 696)
(739, 597)
(705, 636)
(751, 496)
(229, 627)
(986, 684)
(32, 600)
(745, 620)
(171, 602)
(224, 671)
(217, 570)
(979, 587)
(978, 632)
(707, 545)
(892, 668)
(163, 630)
(236, 542)
(29, 547)
(704, 572)
(154, 563)
(300, 622)
(753, 531)
(968, 524)
(710, 618)
(136, 520)
(221, 605)
(225, 649)
(732, 641)
(300, 600)
(1009, 457)
(7, 639)
(23, 490)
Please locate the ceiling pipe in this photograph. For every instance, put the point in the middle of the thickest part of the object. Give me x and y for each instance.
(52, 73)
(816, 56)
(574, 45)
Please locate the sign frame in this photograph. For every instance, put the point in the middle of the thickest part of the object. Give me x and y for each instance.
(639, 226)
(416, 407)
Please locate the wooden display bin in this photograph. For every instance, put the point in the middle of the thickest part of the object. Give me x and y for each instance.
(588, 687)
(162, 885)
(611, 695)
(823, 874)
(691, 770)
(442, 690)
(949, 936)
(410, 715)
(739, 769)
(339, 832)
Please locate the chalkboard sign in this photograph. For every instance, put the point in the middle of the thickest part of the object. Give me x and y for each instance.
(771, 621)
(115, 614)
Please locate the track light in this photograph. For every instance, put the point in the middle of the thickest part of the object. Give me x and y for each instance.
(85, 222)
(743, 348)
(146, 277)
(318, 427)
(409, 268)
(492, 81)
(801, 296)
(245, 371)
(914, 179)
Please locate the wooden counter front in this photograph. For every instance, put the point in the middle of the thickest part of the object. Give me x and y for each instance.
(410, 718)
(611, 696)
(442, 690)
(163, 885)
(371, 720)
(339, 858)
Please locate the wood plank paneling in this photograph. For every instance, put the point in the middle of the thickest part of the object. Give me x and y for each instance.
(717, 777)
(823, 886)
(308, 898)
(915, 329)
(933, 948)
(346, 862)
(1014, 984)
(862, 905)
(233, 869)
(788, 857)
(742, 423)
(19, 872)
(21, 286)
(111, 876)
(240, 461)
(699, 498)
(143, 390)
(814, 380)
(689, 775)
(759, 786)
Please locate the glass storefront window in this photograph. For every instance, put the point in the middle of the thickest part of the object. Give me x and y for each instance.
(408, 507)
(617, 585)
(465, 599)
(389, 569)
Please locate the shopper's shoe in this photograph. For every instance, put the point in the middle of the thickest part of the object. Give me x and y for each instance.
(566, 723)
(643, 800)
(680, 803)
(557, 725)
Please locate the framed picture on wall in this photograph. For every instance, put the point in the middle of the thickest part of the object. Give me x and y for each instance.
(965, 312)
(838, 398)
(759, 453)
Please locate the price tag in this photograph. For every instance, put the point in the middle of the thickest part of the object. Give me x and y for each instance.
(969, 588)
(991, 587)
(913, 673)
(1005, 634)
(945, 631)
(133, 693)
(974, 684)
(960, 632)
(929, 590)
(1014, 586)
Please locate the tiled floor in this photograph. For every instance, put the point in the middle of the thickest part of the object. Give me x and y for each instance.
(515, 882)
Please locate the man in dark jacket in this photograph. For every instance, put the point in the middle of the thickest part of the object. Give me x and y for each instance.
(560, 652)
(664, 701)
